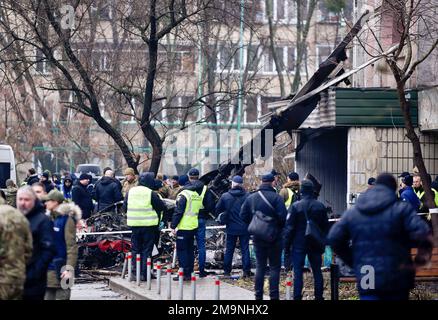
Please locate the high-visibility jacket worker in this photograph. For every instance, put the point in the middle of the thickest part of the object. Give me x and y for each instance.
(185, 221)
(144, 209)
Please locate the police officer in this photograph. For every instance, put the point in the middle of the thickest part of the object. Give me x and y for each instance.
(187, 224)
(290, 194)
(267, 201)
(143, 207)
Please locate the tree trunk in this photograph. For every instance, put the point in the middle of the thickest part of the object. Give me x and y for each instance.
(418, 157)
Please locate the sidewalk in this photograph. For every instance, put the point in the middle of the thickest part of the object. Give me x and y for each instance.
(205, 290)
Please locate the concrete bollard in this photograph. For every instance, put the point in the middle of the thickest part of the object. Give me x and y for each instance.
(125, 264)
(137, 268)
(158, 277)
(148, 273)
(180, 283)
(193, 286)
(129, 266)
(217, 285)
(288, 288)
(169, 282)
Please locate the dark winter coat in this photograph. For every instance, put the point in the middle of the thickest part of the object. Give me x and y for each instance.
(48, 185)
(83, 200)
(43, 250)
(32, 179)
(254, 201)
(296, 223)
(107, 192)
(381, 230)
(230, 204)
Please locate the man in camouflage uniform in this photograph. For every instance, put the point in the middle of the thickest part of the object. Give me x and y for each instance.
(11, 193)
(15, 252)
(129, 181)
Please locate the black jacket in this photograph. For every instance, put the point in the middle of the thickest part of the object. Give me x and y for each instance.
(48, 185)
(181, 202)
(82, 198)
(230, 204)
(32, 179)
(43, 251)
(294, 233)
(107, 192)
(382, 231)
(254, 201)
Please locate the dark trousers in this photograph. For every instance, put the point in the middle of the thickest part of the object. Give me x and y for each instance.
(229, 252)
(315, 259)
(185, 249)
(267, 253)
(142, 240)
(200, 243)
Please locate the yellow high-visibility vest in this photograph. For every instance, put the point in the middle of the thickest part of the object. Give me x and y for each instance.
(140, 212)
(189, 220)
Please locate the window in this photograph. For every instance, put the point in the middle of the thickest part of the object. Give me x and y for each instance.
(100, 60)
(252, 58)
(42, 64)
(322, 53)
(157, 112)
(264, 103)
(184, 61)
(283, 11)
(285, 56)
(189, 111)
(251, 112)
(103, 10)
(325, 15)
(228, 58)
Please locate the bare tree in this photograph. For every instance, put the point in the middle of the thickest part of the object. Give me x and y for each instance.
(412, 23)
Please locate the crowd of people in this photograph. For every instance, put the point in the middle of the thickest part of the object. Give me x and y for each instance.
(38, 225)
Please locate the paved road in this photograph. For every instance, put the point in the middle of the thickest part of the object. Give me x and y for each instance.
(94, 291)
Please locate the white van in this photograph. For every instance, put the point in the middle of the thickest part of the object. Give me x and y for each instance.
(7, 165)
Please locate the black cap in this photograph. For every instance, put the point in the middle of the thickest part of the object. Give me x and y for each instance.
(387, 180)
(408, 180)
(274, 173)
(293, 176)
(404, 174)
(306, 187)
(268, 177)
(371, 181)
(84, 176)
(193, 172)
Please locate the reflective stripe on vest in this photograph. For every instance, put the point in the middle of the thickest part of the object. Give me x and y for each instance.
(140, 212)
(289, 198)
(189, 220)
(419, 194)
(436, 196)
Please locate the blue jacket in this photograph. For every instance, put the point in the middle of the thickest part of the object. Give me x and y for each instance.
(43, 250)
(379, 231)
(208, 202)
(296, 223)
(254, 201)
(230, 204)
(407, 194)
